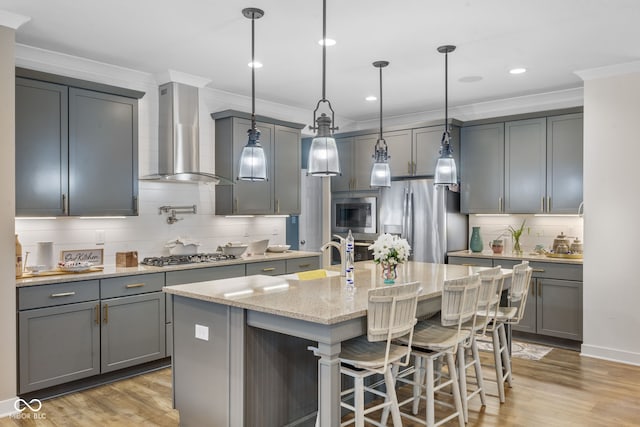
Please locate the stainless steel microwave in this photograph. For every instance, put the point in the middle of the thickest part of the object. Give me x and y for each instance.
(358, 214)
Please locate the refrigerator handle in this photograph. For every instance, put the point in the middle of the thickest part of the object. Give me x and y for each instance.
(409, 216)
(405, 202)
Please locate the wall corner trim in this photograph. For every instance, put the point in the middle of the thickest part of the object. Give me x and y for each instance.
(12, 20)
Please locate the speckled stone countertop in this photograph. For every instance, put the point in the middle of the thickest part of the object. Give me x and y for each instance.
(524, 256)
(323, 300)
(113, 271)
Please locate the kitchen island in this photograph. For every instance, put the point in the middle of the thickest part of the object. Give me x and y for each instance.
(240, 352)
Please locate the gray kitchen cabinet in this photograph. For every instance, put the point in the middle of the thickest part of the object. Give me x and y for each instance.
(280, 193)
(58, 334)
(426, 149)
(470, 261)
(103, 154)
(269, 268)
(564, 163)
(399, 143)
(204, 274)
(76, 148)
(41, 148)
(525, 166)
(482, 168)
(302, 264)
(363, 149)
(343, 181)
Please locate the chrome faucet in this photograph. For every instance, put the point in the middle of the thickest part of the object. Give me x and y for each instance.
(341, 247)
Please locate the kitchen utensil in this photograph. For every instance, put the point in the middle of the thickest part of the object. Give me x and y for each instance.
(234, 249)
(258, 247)
(561, 239)
(278, 248)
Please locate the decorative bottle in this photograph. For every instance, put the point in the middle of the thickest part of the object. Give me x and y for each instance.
(476, 241)
(18, 257)
(348, 265)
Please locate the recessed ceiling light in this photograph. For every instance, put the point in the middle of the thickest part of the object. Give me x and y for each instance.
(255, 64)
(371, 98)
(326, 42)
(517, 70)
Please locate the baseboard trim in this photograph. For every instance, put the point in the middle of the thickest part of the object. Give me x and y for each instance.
(611, 354)
(7, 407)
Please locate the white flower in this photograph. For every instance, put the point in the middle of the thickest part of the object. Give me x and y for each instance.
(390, 248)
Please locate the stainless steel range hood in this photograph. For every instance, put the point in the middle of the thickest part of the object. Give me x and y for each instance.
(178, 146)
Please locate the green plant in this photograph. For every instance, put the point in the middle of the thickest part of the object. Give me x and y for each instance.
(516, 233)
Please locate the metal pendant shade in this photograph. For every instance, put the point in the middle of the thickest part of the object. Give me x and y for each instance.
(253, 162)
(380, 171)
(446, 171)
(323, 154)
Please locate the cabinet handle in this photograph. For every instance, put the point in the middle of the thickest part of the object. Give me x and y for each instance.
(415, 168)
(65, 205)
(97, 314)
(533, 290)
(235, 205)
(499, 204)
(549, 204)
(277, 205)
(539, 289)
(470, 265)
(537, 270)
(542, 204)
(268, 269)
(135, 204)
(63, 294)
(409, 167)
(134, 285)
(304, 265)
(106, 313)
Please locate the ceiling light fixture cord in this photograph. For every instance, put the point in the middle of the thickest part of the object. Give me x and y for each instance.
(324, 73)
(253, 72)
(380, 102)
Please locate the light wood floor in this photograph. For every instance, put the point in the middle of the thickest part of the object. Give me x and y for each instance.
(562, 389)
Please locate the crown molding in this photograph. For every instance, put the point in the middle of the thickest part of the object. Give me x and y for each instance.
(180, 77)
(609, 71)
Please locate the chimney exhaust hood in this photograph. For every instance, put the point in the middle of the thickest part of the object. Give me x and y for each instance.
(178, 132)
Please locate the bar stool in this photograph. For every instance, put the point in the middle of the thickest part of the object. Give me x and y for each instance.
(434, 341)
(517, 298)
(391, 315)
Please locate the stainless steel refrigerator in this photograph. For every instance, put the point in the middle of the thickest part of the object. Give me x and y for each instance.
(427, 216)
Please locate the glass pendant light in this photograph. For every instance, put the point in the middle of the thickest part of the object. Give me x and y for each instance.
(253, 163)
(446, 172)
(380, 172)
(323, 154)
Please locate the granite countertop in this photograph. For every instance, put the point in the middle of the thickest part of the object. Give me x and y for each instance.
(524, 256)
(324, 300)
(113, 271)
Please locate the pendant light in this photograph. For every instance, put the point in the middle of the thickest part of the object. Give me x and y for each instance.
(380, 172)
(253, 163)
(446, 173)
(323, 154)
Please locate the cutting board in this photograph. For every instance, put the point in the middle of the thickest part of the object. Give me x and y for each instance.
(28, 275)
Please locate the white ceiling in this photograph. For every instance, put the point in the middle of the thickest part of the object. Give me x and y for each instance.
(551, 38)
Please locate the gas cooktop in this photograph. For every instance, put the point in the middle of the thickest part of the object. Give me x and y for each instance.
(186, 259)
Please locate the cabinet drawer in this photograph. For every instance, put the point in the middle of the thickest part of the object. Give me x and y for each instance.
(204, 274)
(470, 261)
(57, 294)
(557, 271)
(302, 264)
(270, 268)
(131, 285)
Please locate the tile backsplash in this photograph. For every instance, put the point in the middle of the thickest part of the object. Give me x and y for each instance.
(539, 230)
(149, 232)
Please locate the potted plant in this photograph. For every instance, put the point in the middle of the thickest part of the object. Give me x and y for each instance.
(516, 233)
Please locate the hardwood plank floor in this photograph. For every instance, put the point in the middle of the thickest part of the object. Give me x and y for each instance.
(562, 389)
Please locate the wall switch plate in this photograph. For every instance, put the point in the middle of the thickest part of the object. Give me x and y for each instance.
(99, 237)
(202, 332)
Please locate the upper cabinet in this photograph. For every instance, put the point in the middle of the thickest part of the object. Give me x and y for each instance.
(523, 166)
(426, 148)
(280, 193)
(76, 147)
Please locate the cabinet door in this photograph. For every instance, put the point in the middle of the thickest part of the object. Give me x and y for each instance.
(564, 163)
(525, 166)
(559, 308)
(103, 154)
(399, 144)
(133, 330)
(286, 171)
(528, 322)
(482, 168)
(252, 197)
(363, 149)
(343, 182)
(426, 148)
(41, 148)
(58, 345)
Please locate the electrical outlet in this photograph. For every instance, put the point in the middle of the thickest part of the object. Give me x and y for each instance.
(99, 237)
(202, 332)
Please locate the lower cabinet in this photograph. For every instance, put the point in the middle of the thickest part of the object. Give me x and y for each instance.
(554, 303)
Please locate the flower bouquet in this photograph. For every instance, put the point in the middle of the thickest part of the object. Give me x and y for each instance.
(389, 251)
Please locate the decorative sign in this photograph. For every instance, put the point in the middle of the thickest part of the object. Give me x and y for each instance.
(94, 256)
